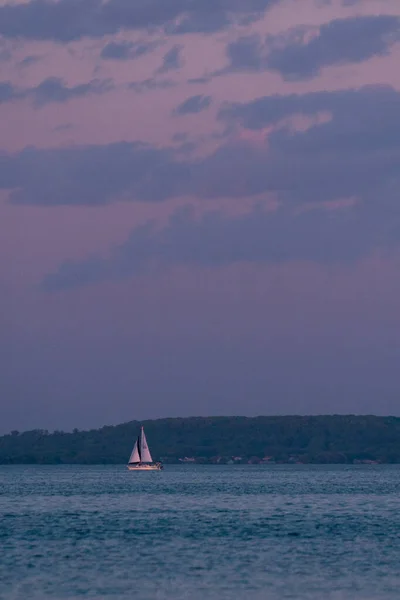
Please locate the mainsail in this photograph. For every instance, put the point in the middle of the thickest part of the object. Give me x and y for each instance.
(145, 455)
(135, 456)
(140, 452)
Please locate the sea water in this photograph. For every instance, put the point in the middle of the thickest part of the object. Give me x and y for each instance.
(200, 532)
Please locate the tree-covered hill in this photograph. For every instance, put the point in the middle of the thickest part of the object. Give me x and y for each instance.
(316, 439)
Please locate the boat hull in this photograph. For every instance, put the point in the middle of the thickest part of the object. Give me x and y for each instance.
(151, 467)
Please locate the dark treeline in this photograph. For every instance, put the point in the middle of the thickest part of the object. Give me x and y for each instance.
(319, 439)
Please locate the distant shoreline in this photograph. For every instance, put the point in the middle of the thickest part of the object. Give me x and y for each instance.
(323, 439)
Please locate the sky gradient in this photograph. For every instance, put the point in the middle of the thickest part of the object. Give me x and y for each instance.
(198, 209)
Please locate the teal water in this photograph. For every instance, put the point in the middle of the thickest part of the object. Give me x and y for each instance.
(200, 532)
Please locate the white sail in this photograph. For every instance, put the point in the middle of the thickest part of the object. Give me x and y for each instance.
(145, 455)
(135, 457)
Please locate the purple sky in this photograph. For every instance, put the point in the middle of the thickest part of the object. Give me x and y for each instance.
(198, 209)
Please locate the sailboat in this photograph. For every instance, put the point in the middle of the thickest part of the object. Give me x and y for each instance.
(140, 458)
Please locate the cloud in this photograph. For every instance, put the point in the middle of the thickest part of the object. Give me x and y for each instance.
(125, 50)
(344, 40)
(29, 60)
(245, 54)
(353, 154)
(52, 89)
(5, 53)
(146, 85)
(67, 20)
(194, 104)
(302, 52)
(7, 92)
(352, 107)
(172, 60)
(216, 239)
(91, 175)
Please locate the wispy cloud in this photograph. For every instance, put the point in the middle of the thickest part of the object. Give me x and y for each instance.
(172, 60)
(29, 60)
(152, 83)
(217, 240)
(192, 105)
(51, 90)
(355, 153)
(7, 92)
(68, 20)
(126, 50)
(302, 52)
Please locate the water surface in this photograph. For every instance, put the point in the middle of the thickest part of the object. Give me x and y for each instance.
(200, 532)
